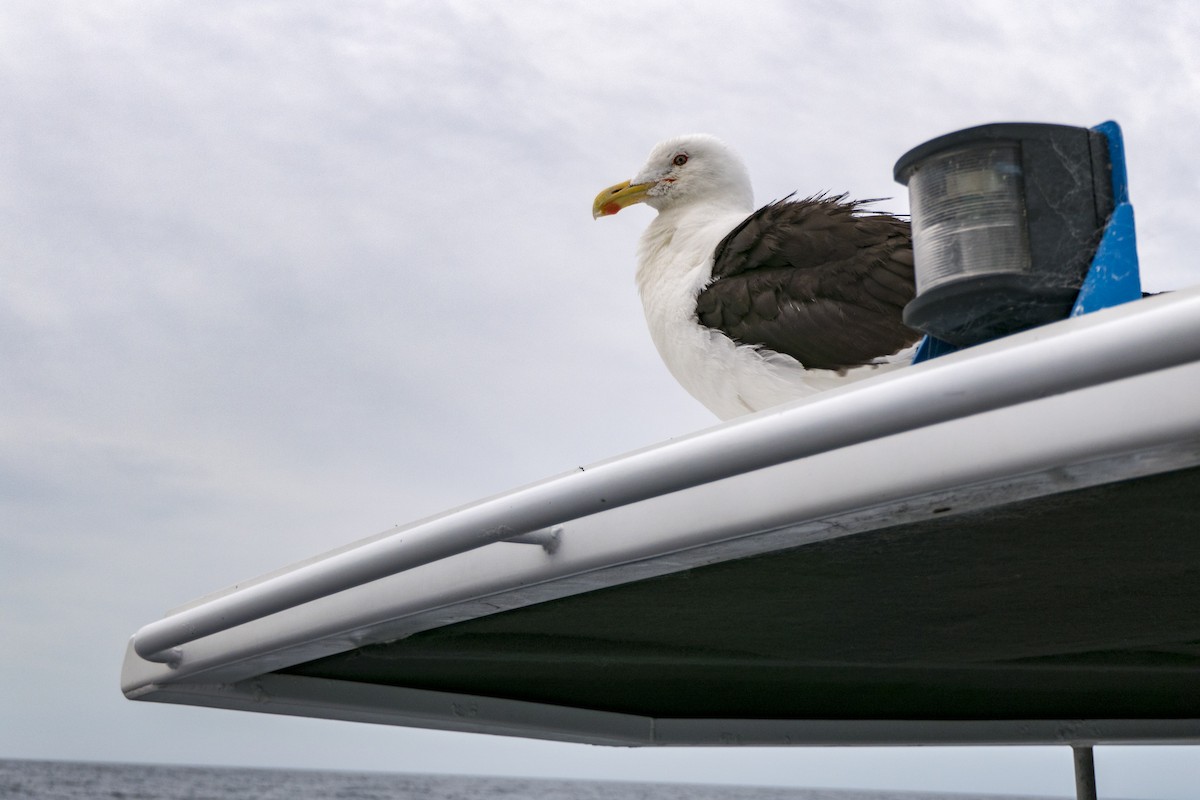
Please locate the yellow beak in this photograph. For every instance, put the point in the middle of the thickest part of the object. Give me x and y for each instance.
(614, 198)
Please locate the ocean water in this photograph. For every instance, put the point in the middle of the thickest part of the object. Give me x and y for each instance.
(69, 780)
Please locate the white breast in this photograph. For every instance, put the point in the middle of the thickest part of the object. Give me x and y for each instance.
(674, 264)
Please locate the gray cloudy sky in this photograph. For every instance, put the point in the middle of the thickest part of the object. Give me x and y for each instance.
(275, 276)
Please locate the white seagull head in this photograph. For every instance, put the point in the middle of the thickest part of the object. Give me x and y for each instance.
(681, 171)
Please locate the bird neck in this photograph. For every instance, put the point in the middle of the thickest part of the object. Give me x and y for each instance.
(677, 247)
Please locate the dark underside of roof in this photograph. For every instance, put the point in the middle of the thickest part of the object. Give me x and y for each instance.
(1080, 605)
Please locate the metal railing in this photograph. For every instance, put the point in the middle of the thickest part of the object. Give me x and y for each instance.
(1137, 338)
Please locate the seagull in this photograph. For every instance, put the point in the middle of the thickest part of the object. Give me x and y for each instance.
(750, 309)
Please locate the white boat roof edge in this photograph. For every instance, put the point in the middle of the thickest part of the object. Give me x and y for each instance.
(431, 573)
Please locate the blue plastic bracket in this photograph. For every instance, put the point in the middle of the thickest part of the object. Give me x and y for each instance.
(931, 347)
(1113, 278)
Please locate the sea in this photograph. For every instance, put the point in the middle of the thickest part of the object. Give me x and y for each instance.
(74, 780)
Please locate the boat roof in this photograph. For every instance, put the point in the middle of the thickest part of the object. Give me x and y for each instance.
(997, 546)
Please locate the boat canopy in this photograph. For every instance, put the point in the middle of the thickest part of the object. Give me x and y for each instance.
(1001, 545)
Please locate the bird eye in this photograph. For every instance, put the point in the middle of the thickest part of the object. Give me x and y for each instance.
(680, 160)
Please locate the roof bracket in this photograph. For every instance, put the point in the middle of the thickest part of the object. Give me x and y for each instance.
(547, 538)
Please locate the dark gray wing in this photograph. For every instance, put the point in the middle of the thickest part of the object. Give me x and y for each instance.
(818, 279)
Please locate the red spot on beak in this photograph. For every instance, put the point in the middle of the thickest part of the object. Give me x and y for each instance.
(611, 208)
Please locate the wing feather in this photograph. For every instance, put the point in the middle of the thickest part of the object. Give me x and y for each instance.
(818, 279)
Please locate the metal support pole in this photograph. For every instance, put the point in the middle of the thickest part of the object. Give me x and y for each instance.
(1085, 772)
